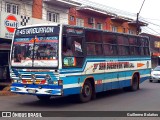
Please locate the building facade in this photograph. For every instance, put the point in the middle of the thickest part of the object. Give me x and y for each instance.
(92, 17)
(26, 12)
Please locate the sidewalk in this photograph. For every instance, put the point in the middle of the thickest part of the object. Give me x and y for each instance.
(6, 91)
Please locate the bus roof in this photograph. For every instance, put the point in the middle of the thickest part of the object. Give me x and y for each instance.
(74, 26)
(36, 25)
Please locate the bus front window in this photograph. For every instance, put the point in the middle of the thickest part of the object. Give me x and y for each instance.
(37, 50)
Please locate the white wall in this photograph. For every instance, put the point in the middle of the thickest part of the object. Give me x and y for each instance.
(25, 6)
(63, 12)
(26, 9)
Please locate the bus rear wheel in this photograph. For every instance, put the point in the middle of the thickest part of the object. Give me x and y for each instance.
(44, 98)
(135, 83)
(86, 93)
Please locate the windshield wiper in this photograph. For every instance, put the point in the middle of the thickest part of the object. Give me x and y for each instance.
(33, 51)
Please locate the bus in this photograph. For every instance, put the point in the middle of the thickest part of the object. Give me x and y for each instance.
(98, 61)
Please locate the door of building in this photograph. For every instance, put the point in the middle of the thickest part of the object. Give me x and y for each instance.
(4, 66)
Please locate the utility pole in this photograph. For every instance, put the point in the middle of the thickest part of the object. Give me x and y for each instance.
(137, 21)
(137, 25)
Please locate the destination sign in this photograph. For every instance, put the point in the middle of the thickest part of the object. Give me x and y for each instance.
(37, 30)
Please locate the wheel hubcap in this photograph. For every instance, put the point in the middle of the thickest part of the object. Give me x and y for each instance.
(86, 91)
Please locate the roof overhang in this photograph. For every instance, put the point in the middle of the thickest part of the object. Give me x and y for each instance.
(139, 23)
(92, 10)
(63, 3)
(121, 19)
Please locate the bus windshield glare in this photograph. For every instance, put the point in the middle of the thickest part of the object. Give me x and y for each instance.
(35, 47)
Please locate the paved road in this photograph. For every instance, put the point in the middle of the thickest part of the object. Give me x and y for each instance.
(145, 99)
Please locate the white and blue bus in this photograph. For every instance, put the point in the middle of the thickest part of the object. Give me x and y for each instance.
(96, 61)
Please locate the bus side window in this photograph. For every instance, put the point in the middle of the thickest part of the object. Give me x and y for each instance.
(66, 47)
(72, 48)
(91, 49)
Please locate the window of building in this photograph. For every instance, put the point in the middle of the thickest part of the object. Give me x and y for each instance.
(124, 30)
(12, 8)
(54, 17)
(99, 26)
(131, 32)
(80, 22)
(71, 18)
(114, 29)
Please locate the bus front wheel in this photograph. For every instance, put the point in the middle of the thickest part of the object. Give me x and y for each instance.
(86, 93)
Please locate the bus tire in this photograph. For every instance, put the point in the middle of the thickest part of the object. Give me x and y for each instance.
(135, 83)
(86, 93)
(44, 98)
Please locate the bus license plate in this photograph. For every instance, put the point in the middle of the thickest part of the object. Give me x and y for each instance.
(31, 91)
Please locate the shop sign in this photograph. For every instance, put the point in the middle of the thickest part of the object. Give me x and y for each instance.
(11, 23)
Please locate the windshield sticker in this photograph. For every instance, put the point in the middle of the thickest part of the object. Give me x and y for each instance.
(69, 61)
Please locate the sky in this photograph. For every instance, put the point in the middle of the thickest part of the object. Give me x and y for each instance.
(150, 12)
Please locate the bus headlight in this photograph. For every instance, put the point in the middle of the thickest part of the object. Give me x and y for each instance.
(15, 81)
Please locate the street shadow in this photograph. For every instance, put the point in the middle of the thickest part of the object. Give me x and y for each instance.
(110, 93)
(53, 102)
(62, 102)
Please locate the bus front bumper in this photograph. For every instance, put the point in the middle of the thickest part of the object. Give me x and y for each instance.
(34, 89)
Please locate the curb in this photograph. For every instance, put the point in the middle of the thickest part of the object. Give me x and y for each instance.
(6, 93)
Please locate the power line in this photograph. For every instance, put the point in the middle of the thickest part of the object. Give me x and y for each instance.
(137, 21)
(152, 23)
(141, 6)
(153, 19)
(153, 30)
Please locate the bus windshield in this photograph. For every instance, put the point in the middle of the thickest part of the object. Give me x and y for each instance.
(35, 47)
